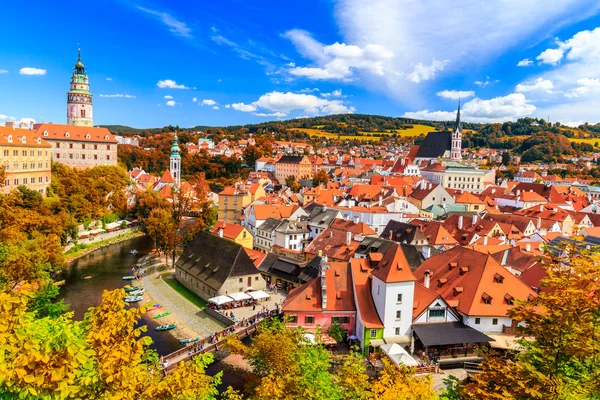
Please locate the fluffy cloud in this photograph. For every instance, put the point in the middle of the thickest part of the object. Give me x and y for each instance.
(550, 56)
(126, 96)
(539, 85)
(109, 79)
(339, 61)
(276, 114)
(335, 93)
(3, 71)
(32, 71)
(498, 109)
(208, 102)
(485, 83)
(243, 107)
(280, 104)
(168, 97)
(215, 108)
(309, 90)
(586, 86)
(525, 63)
(170, 84)
(424, 72)
(456, 94)
(3, 116)
(175, 26)
(227, 105)
(171, 103)
(195, 99)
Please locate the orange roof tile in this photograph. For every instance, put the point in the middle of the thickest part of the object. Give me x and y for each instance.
(75, 133)
(31, 140)
(364, 299)
(394, 267)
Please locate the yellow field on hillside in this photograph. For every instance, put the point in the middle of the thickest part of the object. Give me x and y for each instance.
(416, 130)
(588, 140)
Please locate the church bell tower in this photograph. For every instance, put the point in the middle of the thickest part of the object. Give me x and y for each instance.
(175, 162)
(79, 98)
(456, 149)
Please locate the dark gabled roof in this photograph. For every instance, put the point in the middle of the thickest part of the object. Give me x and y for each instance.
(373, 245)
(321, 218)
(281, 267)
(556, 245)
(414, 256)
(269, 225)
(213, 259)
(435, 145)
(446, 333)
(402, 232)
(290, 160)
(311, 270)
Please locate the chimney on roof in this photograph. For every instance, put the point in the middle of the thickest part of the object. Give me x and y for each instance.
(348, 238)
(485, 240)
(390, 234)
(539, 223)
(356, 219)
(330, 234)
(474, 220)
(9, 124)
(541, 207)
(460, 222)
(427, 279)
(528, 247)
(220, 232)
(518, 192)
(324, 268)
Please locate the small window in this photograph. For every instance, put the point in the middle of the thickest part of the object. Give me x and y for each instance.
(398, 314)
(437, 313)
(309, 320)
(373, 333)
(399, 298)
(397, 331)
(495, 321)
(477, 321)
(293, 319)
(241, 280)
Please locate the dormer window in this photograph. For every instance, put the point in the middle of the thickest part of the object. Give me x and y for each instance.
(452, 265)
(458, 290)
(45, 133)
(463, 270)
(9, 138)
(23, 139)
(509, 299)
(498, 278)
(442, 281)
(486, 298)
(106, 137)
(67, 134)
(87, 136)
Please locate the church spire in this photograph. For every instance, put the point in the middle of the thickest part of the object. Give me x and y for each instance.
(79, 98)
(175, 162)
(456, 147)
(457, 125)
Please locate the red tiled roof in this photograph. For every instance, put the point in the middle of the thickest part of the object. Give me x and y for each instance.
(364, 299)
(76, 133)
(394, 267)
(230, 231)
(31, 140)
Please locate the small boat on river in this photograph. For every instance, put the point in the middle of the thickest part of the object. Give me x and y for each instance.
(154, 307)
(87, 277)
(166, 327)
(162, 315)
(59, 283)
(134, 251)
(186, 341)
(129, 289)
(128, 278)
(133, 299)
(137, 292)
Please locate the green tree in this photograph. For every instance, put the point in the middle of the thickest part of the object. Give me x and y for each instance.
(320, 177)
(251, 154)
(505, 158)
(291, 182)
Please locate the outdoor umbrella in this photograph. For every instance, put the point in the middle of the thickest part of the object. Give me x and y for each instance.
(259, 294)
(239, 296)
(220, 300)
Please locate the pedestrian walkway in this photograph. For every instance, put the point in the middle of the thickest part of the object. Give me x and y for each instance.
(188, 313)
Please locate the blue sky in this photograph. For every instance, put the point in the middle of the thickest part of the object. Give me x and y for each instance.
(240, 61)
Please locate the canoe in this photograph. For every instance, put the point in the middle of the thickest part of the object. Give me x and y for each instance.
(186, 341)
(137, 292)
(166, 327)
(133, 299)
(134, 251)
(154, 307)
(87, 277)
(129, 289)
(162, 315)
(128, 278)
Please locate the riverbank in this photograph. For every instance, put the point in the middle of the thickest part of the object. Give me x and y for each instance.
(83, 249)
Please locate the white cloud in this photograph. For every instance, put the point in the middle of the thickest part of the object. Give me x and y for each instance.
(227, 105)
(168, 97)
(498, 109)
(539, 85)
(281, 104)
(309, 90)
(32, 71)
(424, 72)
(586, 86)
(276, 114)
(177, 27)
(109, 79)
(208, 102)
(550, 56)
(485, 83)
(468, 37)
(195, 99)
(3, 71)
(3, 116)
(12, 118)
(215, 108)
(456, 94)
(219, 80)
(171, 103)
(243, 107)
(526, 62)
(335, 93)
(170, 84)
(127, 96)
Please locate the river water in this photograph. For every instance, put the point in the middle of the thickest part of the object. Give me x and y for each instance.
(106, 267)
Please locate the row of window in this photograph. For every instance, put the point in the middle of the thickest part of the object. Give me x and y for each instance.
(464, 186)
(310, 320)
(478, 321)
(17, 182)
(77, 156)
(464, 179)
(83, 146)
(25, 166)
(24, 153)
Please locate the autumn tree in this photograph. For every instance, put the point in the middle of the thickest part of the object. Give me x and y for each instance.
(2, 175)
(320, 177)
(251, 154)
(561, 327)
(293, 184)
(399, 383)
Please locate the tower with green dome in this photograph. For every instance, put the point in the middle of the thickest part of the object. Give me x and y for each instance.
(175, 162)
(79, 98)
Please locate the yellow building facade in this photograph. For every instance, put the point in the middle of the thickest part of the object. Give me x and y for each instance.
(233, 199)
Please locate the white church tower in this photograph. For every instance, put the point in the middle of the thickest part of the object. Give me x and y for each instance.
(79, 98)
(455, 151)
(175, 162)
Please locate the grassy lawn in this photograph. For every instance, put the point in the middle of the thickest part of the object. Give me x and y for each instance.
(184, 292)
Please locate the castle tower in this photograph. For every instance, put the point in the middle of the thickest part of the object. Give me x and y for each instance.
(79, 98)
(455, 151)
(175, 162)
